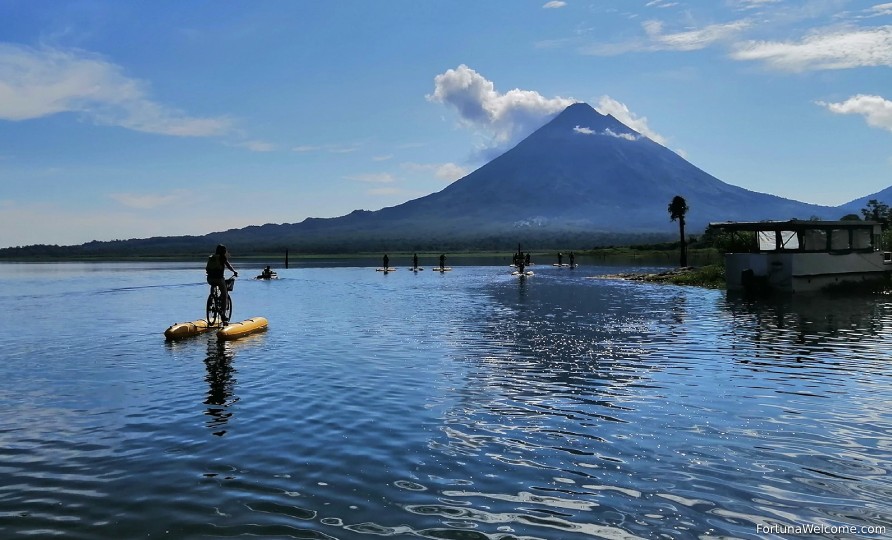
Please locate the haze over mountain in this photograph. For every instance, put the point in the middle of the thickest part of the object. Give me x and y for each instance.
(582, 179)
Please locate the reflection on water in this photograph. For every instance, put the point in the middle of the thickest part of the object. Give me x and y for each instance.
(221, 385)
(468, 405)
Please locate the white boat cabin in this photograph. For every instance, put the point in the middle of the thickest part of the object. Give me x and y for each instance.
(797, 256)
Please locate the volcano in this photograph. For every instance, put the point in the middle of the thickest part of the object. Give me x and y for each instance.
(582, 178)
(585, 170)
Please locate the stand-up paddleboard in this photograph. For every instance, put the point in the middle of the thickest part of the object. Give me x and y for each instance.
(243, 328)
(187, 329)
(388, 269)
(561, 265)
(522, 274)
(418, 269)
(444, 269)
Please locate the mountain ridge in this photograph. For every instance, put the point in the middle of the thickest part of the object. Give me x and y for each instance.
(583, 177)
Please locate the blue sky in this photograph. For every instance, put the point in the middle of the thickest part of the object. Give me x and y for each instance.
(137, 119)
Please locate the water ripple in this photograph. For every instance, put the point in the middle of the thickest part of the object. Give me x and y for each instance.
(459, 406)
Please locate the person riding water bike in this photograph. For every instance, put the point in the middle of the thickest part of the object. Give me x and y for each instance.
(217, 263)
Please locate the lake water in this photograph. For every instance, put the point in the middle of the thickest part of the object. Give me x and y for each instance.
(464, 405)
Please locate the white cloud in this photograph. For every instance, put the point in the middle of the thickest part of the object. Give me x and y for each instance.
(626, 136)
(330, 148)
(876, 110)
(506, 118)
(554, 4)
(608, 132)
(880, 9)
(444, 171)
(827, 49)
(148, 201)
(657, 40)
(691, 40)
(35, 83)
(450, 171)
(608, 105)
(257, 146)
(306, 148)
(877, 10)
(373, 178)
(382, 158)
(752, 4)
(660, 4)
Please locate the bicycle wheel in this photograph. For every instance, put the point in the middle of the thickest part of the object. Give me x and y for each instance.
(212, 312)
(228, 316)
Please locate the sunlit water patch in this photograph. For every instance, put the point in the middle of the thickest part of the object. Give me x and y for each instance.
(464, 405)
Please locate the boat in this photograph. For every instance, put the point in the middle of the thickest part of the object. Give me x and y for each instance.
(803, 256)
(187, 329)
(242, 328)
(268, 275)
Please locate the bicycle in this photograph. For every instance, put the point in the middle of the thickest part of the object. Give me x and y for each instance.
(215, 312)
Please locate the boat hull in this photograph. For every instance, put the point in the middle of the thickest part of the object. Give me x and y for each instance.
(242, 328)
(187, 329)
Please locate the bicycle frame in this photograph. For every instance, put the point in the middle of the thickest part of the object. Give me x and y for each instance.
(217, 313)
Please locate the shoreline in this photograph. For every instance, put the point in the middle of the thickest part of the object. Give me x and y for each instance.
(710, 276)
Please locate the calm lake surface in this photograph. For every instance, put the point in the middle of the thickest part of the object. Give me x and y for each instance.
(464, 405)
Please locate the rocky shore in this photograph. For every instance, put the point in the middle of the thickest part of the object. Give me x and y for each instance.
(712, 276)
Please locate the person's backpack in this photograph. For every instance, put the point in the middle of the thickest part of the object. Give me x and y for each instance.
(214, 264)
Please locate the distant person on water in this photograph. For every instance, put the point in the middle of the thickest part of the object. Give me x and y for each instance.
(386, 261)
(217, 263)
(442, 261)
(415, 261)
(560, 258)
(267, 273)
(528, 258)
(520, 265)
(572, 259)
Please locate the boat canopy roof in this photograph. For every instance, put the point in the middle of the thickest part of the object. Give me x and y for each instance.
(797, 225)
(806, 236)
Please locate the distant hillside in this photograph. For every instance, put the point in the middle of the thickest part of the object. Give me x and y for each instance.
(855, 206)
(582, 180)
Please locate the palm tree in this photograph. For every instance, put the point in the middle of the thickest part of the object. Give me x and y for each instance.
(677, 210)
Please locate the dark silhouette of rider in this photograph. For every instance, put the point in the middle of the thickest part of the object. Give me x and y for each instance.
(216, 264)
